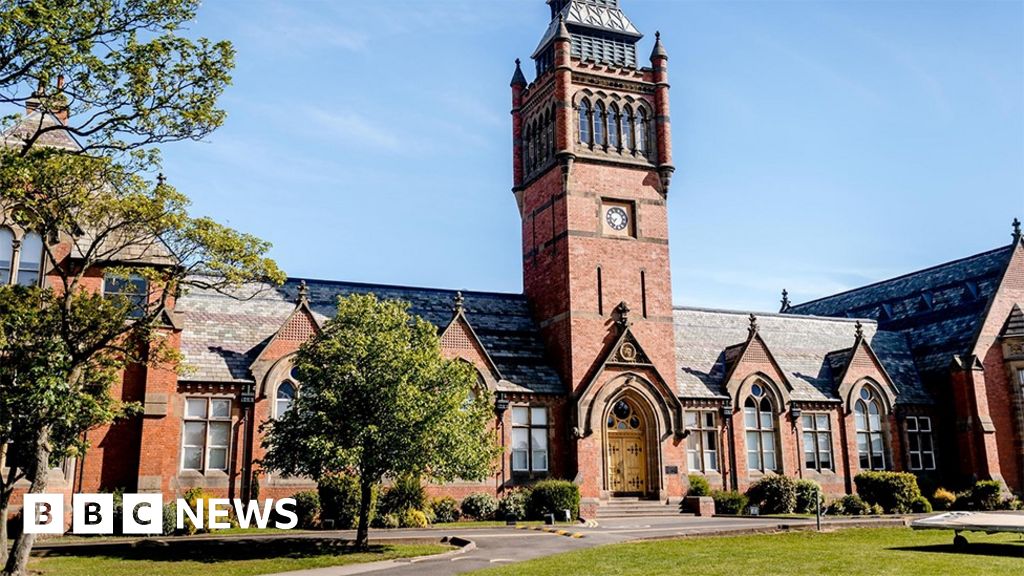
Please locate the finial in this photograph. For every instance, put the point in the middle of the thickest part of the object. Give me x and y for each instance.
(303, 293)
(563, 32)
(161, 179)
(752, 329)
(460, 303)
(859, 329)
(518, 78)
(1016, 230)
(659, 48)
(623, 311)
(785, 301)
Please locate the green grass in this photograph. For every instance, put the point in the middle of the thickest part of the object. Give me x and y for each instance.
(249, 559)
(853, 552)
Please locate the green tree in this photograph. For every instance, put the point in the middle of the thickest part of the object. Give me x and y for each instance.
(122, 79)
(118, 69)
(378, 401)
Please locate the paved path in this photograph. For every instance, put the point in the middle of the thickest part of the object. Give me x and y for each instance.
(498, 546)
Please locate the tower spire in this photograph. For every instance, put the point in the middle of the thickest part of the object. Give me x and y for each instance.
(518, 78)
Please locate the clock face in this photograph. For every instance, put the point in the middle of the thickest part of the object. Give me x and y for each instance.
(617, 218)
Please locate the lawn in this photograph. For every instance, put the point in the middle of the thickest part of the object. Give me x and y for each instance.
(237, 558)
(852, 552)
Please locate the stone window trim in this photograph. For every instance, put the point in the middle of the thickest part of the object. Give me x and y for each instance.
(703, 448)
(530, 423)
(761, 424)
(871, 427)
(16, 268)
(210, 419)
(601, 120)
(920, 442)
(816, 437)
(286, 391)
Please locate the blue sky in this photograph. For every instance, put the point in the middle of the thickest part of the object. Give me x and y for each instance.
(819, 145)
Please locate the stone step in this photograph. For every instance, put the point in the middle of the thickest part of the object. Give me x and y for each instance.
(633, 507)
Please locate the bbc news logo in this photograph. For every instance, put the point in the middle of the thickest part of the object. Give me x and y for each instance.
(143, 513)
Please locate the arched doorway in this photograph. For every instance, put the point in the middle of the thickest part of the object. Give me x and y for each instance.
(628, 450)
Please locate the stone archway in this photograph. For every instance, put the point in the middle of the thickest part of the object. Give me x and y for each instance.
(631, 446)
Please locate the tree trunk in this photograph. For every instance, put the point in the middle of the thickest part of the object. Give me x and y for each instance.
(363, 530)
(39, 470)
(5, 506)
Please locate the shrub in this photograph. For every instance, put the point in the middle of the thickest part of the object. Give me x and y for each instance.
(514, 504)
(195, 498)
(170, 519)
(386, 521)
(943, 499)
(773, 494)
(412, 519)
(698, 486)
(986, 495)
(405, 494)
(554, 496)
(307, 507)
(920, 505)
(729, 502)
(807, 494)
(895, 492)
(849, 505)
(445, 510)
(479, 506)
(339, 500)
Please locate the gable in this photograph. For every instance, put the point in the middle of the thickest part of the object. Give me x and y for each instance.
(459, 341)
(757, 359)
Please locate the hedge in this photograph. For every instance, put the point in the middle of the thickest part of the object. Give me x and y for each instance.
(554, 496)
(895, 492)
(307, 508)
(729, 502)
(699, 486)
(479, 506)
(807, 493)
(773, 494)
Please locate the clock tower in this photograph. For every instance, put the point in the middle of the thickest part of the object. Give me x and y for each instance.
(592, 168)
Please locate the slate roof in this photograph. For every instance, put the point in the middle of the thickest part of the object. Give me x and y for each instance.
(810, 351)
(223, 335)
(36, 120)
(939, 308)
(599, 30)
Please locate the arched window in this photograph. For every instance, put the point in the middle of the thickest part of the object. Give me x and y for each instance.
(868, 414)
(30, 259)
(626, 122)
(759, 420)
(550, 135)
(6, 254)
(585, 115)
(613, 126)
(529, 149)
(641, 131)
(600, 123)
(284, 398)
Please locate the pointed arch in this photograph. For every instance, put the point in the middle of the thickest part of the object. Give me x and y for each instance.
(642, 136)
(284, 397)
(585, 132)
(550, 133)
(614, 140)
(6, 254)
(626, 124)
(600, 124)
(30, 259)
(761, 401)
(871, 416)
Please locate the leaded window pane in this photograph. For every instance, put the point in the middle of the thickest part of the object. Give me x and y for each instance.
(520, 416)
(822, 421)
(195, 408)
(30, 259)
(539, 416)
(221, 409)
(218, 459)
(195, 433)
(193, 458)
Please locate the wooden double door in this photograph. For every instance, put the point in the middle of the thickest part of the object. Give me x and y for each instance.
(627, 462)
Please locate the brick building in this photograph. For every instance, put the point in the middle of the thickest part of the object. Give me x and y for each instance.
(596, 376)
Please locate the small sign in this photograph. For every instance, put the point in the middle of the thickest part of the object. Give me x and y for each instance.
(672, 470)
(249, 394)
